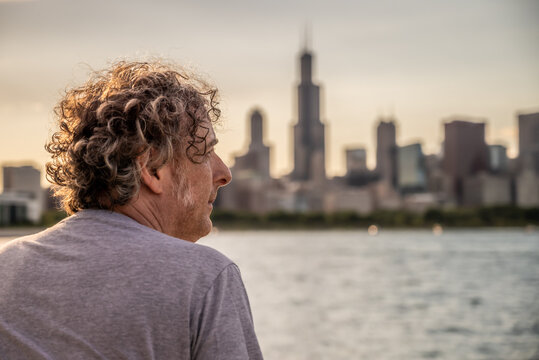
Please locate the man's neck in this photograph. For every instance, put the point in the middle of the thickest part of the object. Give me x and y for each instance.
(143, 211)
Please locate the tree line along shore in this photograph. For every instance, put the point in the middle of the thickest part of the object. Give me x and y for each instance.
(501, 216)
(497, 216)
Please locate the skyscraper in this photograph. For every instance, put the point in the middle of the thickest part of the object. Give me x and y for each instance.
(22, 179)
(257, 159)
(22, 198)
(251, 172)
(528, 140)
(309, 142)
(465, 153)
(527, 181)
(411, 169)
(386, 148)
(356, 160)
(497, 158)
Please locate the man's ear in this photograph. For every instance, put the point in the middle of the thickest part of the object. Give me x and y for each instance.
(152, 179)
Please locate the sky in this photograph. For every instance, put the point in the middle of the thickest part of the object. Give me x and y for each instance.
(422, 61)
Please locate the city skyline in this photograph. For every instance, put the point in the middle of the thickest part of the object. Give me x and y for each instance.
(422, 62)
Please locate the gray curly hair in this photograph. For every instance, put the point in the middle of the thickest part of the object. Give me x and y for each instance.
(120, 114)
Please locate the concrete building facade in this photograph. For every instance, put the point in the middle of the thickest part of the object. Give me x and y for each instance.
(486, 189)
(256, 161)
(528, 140)
(497, 158)
(465, 153)
(22, 199)
(411, 172)
(356, 160)
(386, 152)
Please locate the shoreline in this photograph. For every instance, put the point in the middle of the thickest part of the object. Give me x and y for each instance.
(28, 230)
(20, 231)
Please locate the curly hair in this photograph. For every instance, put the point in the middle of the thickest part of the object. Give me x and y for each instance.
(120, 114)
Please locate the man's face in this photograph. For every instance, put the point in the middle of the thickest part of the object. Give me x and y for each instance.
(193, 188)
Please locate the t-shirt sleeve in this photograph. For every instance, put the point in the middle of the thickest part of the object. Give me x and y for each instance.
(224, 328)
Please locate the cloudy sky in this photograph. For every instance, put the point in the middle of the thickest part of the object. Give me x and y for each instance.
(422, 60)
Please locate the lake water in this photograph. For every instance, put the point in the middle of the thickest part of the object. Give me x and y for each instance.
(398, 295)
(470, 294)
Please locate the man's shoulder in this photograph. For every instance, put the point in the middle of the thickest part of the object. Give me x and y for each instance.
(120, 233)
(105, 240)
(13, 244)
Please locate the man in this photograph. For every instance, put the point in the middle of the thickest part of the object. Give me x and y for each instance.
(135, 165)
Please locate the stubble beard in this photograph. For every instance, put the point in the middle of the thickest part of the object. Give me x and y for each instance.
(184, 195)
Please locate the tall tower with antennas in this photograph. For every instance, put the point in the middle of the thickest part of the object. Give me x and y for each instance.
(309, 138)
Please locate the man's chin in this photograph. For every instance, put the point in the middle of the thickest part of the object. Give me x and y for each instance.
(210, 227)
(205, 228)
(194, 234)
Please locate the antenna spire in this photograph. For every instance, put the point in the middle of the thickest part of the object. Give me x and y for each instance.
(307, 37)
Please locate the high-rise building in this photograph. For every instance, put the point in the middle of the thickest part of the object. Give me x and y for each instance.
(386, 148)
(251, 173)
(528, 140)
(497, 158)
(22, 179)
(257, 158)
(487, 190)
(527, 188)
(435, 174)
(22, 198)
(465, 153)
(356, 160)
(411, 172)
(309, 141)
(357, 173)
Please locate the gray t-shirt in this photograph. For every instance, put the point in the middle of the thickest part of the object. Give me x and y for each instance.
(99, 285)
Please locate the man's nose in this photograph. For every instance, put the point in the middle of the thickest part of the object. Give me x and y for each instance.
(222, 175)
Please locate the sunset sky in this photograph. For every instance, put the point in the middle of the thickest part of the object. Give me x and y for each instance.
(421, 60)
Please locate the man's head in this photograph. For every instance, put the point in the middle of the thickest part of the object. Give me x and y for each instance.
(139, 130)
